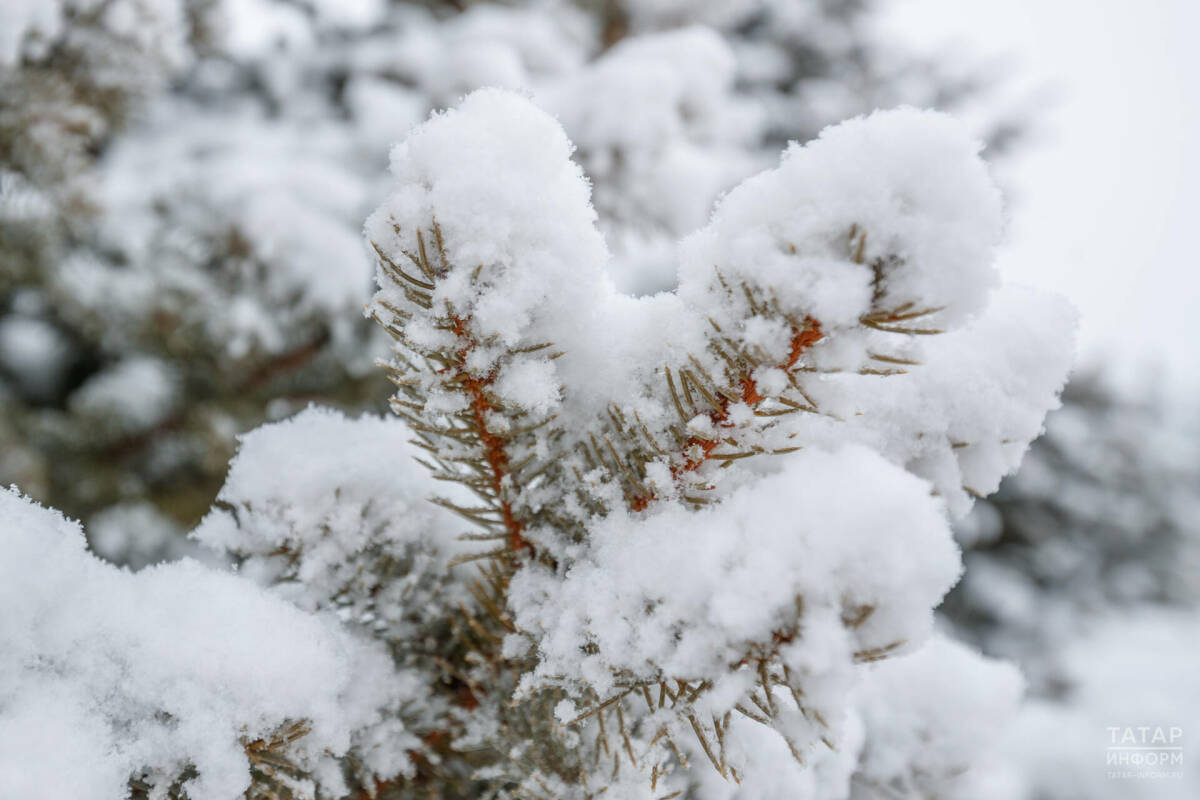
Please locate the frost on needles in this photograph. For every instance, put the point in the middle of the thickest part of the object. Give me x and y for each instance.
(681, 545)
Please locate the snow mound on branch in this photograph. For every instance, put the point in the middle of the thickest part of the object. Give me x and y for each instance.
(962, 416)
(969, 412)
(496, 176)
(319, 463)
(106, 673)
(801, 537)
(909, 182)
(932, 721)
(318, 504)
(924, 724)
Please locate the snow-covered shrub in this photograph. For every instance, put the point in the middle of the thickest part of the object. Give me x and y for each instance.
(183, 182)
(680, 544)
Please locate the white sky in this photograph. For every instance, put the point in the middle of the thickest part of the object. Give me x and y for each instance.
(1107, 200)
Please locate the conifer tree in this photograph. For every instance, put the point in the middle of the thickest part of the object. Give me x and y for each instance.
(1100, 520)
(182, 184)
(681, 545)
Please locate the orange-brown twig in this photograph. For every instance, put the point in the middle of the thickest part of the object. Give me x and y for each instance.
(493, 444)
(802, 340)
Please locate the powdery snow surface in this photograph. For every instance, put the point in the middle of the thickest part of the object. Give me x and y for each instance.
(964, 419)
(105, 673)
(316, 504)
(495, 175)
(910, 181)
(931, 721)
(798, 533)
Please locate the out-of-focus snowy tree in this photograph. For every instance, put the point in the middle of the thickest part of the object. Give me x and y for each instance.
(1104, 515)
(175, 263)
(181, 185)
(1082, 570)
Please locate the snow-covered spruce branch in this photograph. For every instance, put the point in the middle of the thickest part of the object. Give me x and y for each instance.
(698, 518)
(175, 681)
(554, 400)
